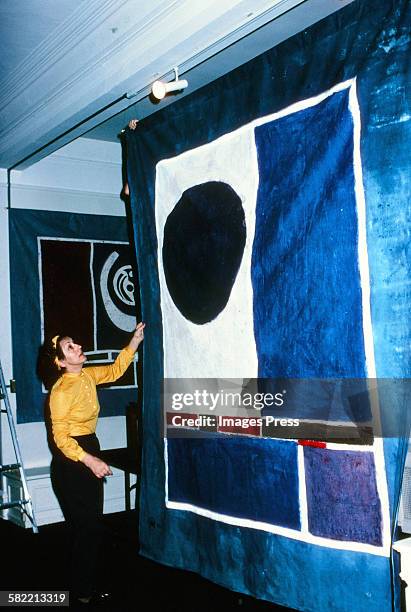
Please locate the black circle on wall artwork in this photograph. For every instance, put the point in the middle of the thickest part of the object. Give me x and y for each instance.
(204, 240)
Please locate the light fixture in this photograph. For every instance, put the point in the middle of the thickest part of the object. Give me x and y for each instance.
(159, 89)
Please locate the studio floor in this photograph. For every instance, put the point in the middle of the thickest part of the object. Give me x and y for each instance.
(35, 562)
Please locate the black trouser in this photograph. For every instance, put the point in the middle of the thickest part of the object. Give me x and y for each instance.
(81, 496)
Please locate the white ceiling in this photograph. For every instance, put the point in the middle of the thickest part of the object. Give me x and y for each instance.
(67, 65)
(24, 24)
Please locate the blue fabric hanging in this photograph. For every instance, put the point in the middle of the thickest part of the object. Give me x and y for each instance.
(369, 41)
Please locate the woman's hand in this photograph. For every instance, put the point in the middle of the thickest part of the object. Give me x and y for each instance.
(97, 466)
(132, 124)
(138, 336)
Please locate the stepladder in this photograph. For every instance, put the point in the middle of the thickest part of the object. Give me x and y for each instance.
(24, 502)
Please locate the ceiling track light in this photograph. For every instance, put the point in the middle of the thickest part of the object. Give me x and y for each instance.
(159, 89)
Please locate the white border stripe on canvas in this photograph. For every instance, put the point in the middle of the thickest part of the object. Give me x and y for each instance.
(302, 489)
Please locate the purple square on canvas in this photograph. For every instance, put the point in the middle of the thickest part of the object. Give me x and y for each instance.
(342, 497)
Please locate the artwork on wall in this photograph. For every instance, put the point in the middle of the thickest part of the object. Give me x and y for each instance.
(268, 211)
(100, 313)
(71, 274)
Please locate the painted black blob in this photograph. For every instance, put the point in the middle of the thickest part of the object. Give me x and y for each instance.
(204, 239)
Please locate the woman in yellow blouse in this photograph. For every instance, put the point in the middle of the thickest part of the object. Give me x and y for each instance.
(77, 471)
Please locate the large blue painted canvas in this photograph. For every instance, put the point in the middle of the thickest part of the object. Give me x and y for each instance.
(295, 177)
(320, 119)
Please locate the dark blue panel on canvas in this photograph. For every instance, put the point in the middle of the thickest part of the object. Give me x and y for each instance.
(330, 400)
(342, 497)
(248, 478)
(307, 294)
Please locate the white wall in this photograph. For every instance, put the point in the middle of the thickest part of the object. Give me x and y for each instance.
(83, 177)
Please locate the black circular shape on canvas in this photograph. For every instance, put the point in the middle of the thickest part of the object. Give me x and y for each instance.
(204, 240)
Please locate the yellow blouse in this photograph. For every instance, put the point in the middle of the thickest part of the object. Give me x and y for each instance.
(74, 404)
